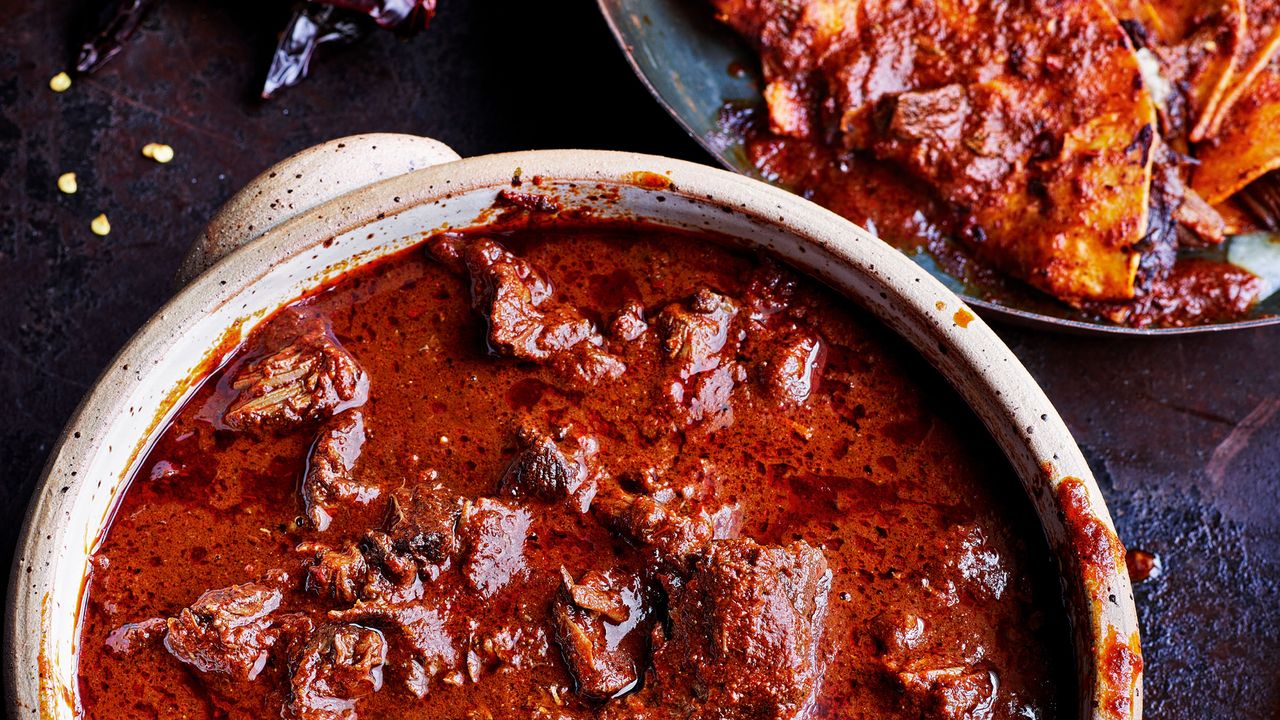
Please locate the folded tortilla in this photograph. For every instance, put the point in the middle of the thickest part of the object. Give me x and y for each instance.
(1198, 43)
(1261, 42)
(1247, 145)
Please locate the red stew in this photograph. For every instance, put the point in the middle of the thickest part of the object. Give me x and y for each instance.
(574, 472)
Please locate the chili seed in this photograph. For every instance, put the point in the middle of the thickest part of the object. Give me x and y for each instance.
(159, 152)
(60, 82)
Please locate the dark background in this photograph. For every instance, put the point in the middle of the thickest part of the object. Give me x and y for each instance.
(1182, 433)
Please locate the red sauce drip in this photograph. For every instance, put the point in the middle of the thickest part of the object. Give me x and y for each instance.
(649, 180)
(1143, 565)
(1121, 669)
(1095, 545)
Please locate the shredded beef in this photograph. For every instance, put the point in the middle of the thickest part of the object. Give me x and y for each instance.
(951, 693)
(744, 632)
(334, 667)
(329, 477)
(598, 622)
(524, 321)
(493, 536)
(304, 375)
(226, 631)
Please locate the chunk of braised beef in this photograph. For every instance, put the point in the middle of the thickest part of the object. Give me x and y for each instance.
(541, 468)
(380, 551)
(303, 375)
(648, 522)
(422, 524)
(420, 624)
(448, 250)
(702, 341)
(745, 630)
(292, 627)
(599, 627)
(771, 291)
(629, 324)
(695, 334)
(329, 478)
(132, 636)
(226, 631)
(596, 592)
(492, 535)
(673, 535)
(331, 669)
(515, 298)
(342, 575)
(499, 278)
(951, 693)
(419, 539)
(791, 366)
(708, 397)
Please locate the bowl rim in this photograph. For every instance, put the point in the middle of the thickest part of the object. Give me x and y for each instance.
(901, 294)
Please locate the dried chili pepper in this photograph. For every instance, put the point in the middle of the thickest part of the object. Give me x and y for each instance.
(118, 20)
(403, 16)
(317, 22)
(311, 26)
(314, 23)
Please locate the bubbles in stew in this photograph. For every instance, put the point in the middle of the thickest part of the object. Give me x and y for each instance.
(596, 471)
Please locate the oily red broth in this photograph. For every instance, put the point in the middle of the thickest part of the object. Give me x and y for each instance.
(597, 471)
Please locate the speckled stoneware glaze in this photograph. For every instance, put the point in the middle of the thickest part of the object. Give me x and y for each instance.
(350, 201)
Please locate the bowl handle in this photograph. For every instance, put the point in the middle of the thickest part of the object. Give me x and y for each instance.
(303, 181)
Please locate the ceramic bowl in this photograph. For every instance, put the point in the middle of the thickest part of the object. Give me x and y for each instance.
(350, 201)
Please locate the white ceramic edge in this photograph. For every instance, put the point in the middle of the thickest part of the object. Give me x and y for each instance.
(305, 180)
(41, 626)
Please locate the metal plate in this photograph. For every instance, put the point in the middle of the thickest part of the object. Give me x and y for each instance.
(695, 66)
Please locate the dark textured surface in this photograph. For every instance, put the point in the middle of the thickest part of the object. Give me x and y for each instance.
(1184, 434)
